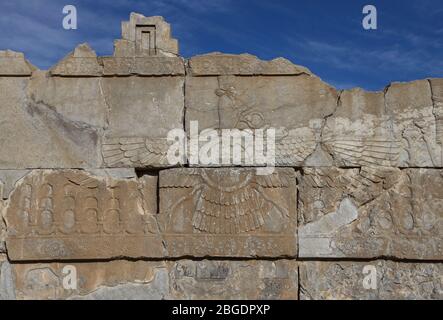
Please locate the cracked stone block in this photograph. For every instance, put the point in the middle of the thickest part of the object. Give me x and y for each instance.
(73, 215)
(228, 212)
(151, 280)
(295, 106)
(370, 213)
(7, 284)
(14, 64)
(50, 123)
(81, 62)
(372, 280)
(142, 112)
(395, 128)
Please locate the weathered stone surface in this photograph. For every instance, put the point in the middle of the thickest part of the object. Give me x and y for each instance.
(8, 179)
(185, 279)
(84, 177)
(49, 123)
(252, 280)
(228, 212)
(146, 36)
(336, 280)
(7, 280)
(396, 128)
(14, 64)
(95, 280)
(71, 215)
(143, 66)
(366, 213)
(80, 101)
(81, 62)
(295, 106)
(142, 112)
(218, 64)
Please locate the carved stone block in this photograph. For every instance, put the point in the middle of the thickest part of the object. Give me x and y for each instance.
(184, 279)
(14, 64)
(218, 64)
(216, 279)
(116, 279)
(152, 66)
(50, 122)
(295, 106)
(81, 62)
(142, 112)
(228, 212)
(349, 280)
(71, 215)
(367, 213)
(395, 128)
(146, 36)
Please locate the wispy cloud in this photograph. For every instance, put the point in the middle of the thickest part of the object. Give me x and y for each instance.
(325, 37)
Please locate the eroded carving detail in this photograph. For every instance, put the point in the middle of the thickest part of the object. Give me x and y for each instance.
(220, 211)
(70, 214)
(391, 213)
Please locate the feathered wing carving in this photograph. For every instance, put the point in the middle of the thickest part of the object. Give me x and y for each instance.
(238, 207)
(225, 203)
(224, 212)
(138, 151)
(373, 152)
(294, 147)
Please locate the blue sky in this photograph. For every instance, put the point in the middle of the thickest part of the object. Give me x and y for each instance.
(325, 36)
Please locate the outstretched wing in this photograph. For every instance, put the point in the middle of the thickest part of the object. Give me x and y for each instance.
(136, 152)
(370, 152)
(294, 149)
(220, 212)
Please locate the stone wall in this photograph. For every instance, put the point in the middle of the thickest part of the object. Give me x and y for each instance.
(85, 181)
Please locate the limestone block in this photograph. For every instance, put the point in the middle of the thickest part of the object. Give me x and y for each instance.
(395, 128)
(146, 36)
(367, 213)
(139, 280)
(72, 215)
(295, 106)
(143, 66)
(216, 279)
(49, 123)
(81, 62)
(228, 212)
(142, 112)
(78, 100)
(218, 64)
(349, 280)
(14, 64)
